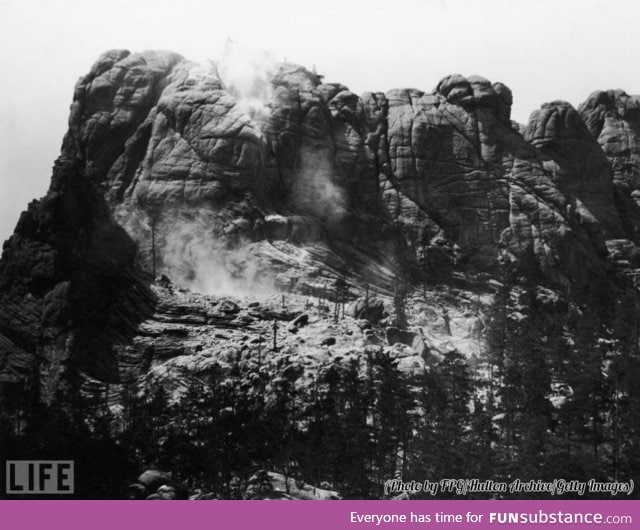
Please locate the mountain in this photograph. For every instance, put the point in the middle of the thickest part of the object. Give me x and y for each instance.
(463, 228)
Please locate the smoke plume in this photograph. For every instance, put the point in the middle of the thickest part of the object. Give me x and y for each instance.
(246, 75)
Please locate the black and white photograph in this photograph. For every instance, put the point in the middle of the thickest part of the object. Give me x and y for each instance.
(319, 250)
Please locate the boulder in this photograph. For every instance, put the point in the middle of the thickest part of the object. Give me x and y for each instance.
(369, 309)
(152, 479)
(228, 307)
(371, 338)
(419, 346)
(412, 365)
(398, 351)
(402, 336)
(299, 322)
(270, 485)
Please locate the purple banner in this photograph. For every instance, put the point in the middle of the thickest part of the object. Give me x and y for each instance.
(310, 515)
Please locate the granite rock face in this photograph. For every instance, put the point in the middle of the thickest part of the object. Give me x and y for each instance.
(166, 168)
(446, 169)
(454, 168)
(613, 118)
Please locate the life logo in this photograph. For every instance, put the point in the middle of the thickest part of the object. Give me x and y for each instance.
(33, 477)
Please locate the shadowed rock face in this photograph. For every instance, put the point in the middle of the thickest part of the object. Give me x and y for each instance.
(613, 118)
(580, 169)
(161, 155)
(69, 287)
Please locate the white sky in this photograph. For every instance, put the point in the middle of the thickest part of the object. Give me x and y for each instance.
(542, 49)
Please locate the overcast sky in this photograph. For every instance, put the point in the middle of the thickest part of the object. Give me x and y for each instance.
(542, 49)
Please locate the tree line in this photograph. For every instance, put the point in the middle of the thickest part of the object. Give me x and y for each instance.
(555, 395)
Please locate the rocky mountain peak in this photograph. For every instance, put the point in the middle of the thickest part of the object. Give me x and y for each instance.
(213, 175)
(477, 92)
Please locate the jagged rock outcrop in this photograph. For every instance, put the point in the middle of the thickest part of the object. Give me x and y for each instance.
(581, 170)
(448, 168)
(166, 168)
(613, 118)
(69, 287)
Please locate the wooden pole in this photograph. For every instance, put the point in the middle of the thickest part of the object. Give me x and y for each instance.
(275, 334)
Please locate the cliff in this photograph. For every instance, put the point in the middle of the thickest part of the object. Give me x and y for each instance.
(443, 180)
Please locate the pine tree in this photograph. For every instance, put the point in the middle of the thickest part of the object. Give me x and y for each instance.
(392, 422)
